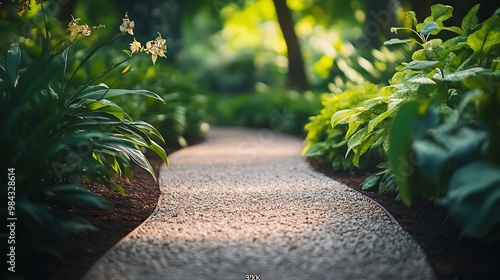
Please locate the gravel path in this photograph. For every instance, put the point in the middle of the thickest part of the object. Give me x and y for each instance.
(245, 205)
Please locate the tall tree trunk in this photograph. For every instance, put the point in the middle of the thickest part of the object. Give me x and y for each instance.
(297, 78)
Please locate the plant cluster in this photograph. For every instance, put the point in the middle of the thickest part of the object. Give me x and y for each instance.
(268, 107)
(58, 134)
(434, 129)
(183, 118)
(358, 77)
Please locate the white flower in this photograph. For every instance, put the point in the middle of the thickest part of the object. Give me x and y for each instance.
(127, 25)
(135, 46)
(74, 29)
(156, 48)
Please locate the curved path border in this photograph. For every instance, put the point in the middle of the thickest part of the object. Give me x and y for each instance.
(245, 205)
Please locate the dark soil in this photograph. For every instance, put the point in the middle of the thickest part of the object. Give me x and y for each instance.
(126, 213)
(451, 256)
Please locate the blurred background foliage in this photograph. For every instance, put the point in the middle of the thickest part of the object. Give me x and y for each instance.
(230, 49)
(228, 61)
(223, 50)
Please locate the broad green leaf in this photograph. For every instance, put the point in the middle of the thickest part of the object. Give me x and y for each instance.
(440, 12)
(420, 55)
(387, 91)
(394, 103)
(56, 224)
(425, 123)
(342, 116)
(486, 37)
(75, 139)
(126, 69)
(148, 128)
(316, 149)
(110, 93)
(387, 183)
(422, 81)
(413, 16)
(107, 107)
(89, 89)
(469, 62)
(395, 41)
(434, 23)
(475, 204)
(400, 141)
(371, 183)
(452, 45)
(466, 143)
(367, 143)
(117, 187)
(432, 160)
(372, 124)
(138, 157)
(373, 104)
(107, 160)
(76, 195)
(12, 63)
(354, 123)
(471, 97)
(470, 20)
(127, 131)
(420, 64)
(454, 29)
(429, 27)
(355, 140)
(468, 74)
(75, 224)
(129, 53)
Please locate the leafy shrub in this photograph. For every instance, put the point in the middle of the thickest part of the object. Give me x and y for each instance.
(182, 118)
(355, 75)
(436, 121)
(54, 136)
(277, 109)
(462, 76)
(455, 138)
(328, 141)
(353, 67)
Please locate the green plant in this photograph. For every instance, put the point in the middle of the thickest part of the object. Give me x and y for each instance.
(55, 136)
(359, 124)
(437, 121)
(341, 134)
(450, 70)
(182, 118)
(268, 107)
(453, 135)
(328, 141)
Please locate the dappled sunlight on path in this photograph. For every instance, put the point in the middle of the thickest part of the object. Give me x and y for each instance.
(245, 203)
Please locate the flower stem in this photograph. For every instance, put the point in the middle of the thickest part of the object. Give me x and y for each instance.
(89, 55)
(46, 46)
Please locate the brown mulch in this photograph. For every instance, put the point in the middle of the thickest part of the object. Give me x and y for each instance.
(451, 256)
(125, 213)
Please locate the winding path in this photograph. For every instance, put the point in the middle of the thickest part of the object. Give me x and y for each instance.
(245, 205)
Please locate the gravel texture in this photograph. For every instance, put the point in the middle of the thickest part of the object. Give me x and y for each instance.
(245, 205)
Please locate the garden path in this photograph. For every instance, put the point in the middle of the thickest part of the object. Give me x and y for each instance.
(245, 205)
